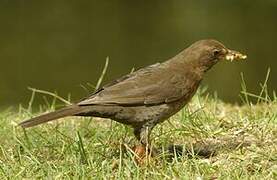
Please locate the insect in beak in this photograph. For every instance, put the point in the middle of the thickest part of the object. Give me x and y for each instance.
(234, 55)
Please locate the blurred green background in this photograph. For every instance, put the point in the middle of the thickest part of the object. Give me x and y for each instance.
(60, 45)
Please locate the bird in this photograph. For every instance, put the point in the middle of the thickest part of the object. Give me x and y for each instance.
(150, 95)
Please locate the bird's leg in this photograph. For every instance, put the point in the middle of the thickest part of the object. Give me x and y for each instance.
(143, 150)
(143, 134)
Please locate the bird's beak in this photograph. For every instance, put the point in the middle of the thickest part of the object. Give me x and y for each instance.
(234, 55)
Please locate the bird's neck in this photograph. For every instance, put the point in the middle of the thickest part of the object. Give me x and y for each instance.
(187, 67)
(192, 62)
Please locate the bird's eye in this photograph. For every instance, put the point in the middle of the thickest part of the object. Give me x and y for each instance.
(216, 52)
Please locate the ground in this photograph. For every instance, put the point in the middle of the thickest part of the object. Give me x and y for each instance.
(213, 140)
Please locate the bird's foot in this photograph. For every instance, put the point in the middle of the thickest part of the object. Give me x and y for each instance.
(143, 153)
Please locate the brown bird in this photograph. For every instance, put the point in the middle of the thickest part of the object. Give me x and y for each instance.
(150, 95)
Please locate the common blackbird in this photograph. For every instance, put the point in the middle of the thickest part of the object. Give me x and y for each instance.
(149, 95)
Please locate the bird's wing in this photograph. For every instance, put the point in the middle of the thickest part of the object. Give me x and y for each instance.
(148, 86)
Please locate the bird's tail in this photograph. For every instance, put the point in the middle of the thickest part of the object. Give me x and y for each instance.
(67, 111)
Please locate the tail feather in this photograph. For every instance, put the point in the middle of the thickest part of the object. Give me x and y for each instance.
(67, 111)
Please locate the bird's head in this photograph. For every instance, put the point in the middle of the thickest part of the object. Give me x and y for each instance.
(205, 53)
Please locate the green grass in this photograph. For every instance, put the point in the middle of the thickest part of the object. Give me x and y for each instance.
(241, 142)
(243, 138)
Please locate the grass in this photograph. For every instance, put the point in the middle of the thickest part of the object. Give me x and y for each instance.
(241, 139)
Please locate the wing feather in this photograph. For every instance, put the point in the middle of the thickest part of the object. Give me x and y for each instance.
(155, 84)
